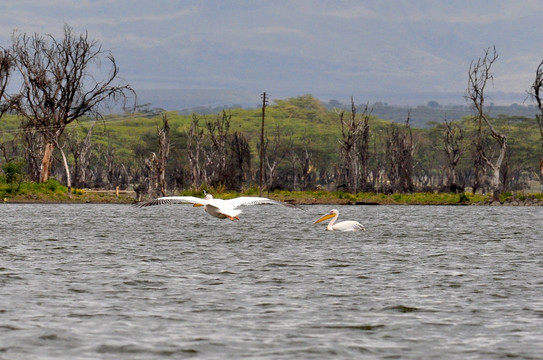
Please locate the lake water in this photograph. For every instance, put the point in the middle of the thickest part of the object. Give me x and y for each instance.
(96, 281)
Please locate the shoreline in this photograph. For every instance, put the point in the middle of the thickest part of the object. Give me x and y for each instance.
(110, 197)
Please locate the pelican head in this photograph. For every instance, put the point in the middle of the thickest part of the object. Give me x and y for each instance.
(331, 214)
(206, 197)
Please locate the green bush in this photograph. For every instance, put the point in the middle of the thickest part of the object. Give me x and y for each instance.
(52, 185)
(14, 175)
(463, 198)
(504, 196)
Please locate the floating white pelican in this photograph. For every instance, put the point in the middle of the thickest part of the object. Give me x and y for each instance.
(222, 209)
(340, 226)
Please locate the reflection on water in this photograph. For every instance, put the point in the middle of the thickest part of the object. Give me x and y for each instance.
(111, 281)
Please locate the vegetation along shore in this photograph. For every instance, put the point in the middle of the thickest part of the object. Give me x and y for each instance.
(54, 192)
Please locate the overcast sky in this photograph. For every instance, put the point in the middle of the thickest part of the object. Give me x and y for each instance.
(374, 50)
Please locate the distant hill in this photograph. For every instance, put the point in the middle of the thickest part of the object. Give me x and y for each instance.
(190, 100)
(420, 116)
(209, 101)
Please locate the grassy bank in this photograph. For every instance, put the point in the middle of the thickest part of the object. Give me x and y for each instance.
(342, 198)
(52, 192)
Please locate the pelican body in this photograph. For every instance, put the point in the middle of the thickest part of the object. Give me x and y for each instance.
(340, 226)
(219, 208)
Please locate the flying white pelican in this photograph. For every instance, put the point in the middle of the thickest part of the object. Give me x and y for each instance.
(340, 226)
(220, 208)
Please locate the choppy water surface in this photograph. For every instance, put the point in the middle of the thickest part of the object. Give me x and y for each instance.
(116, 282)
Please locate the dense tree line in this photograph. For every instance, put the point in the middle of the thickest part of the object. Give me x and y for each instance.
(53, 126)
(307, 148)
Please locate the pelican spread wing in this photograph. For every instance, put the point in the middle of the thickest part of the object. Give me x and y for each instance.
(219, 208)
(341, 226)
(172, 200)
(250, 200)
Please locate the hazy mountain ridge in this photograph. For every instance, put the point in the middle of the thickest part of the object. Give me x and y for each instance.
(180, 99)
(424, 109)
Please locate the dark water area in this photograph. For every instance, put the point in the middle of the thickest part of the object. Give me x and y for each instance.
(96, 281)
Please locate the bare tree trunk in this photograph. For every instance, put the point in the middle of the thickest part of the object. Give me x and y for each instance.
(307, 166)
(33, 149)
(157, 172)
(67, 169)
(363, 150)
(273, 156)
(164, 151)
(46, 162)
(294, 160)
(239, 161)
(195, 137)
(82, 157)
(110, 159)
(454, 148)
(81, 152)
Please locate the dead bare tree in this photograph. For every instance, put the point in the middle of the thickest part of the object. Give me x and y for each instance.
(478, 76)
(400, 149)
(352, 131)
(217, 157)
(363, 150)
(535, 93)
(58, 86)
(195, 137)
(163, 153)
(218, 154)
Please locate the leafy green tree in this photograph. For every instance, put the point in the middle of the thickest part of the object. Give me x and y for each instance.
(13, 171)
